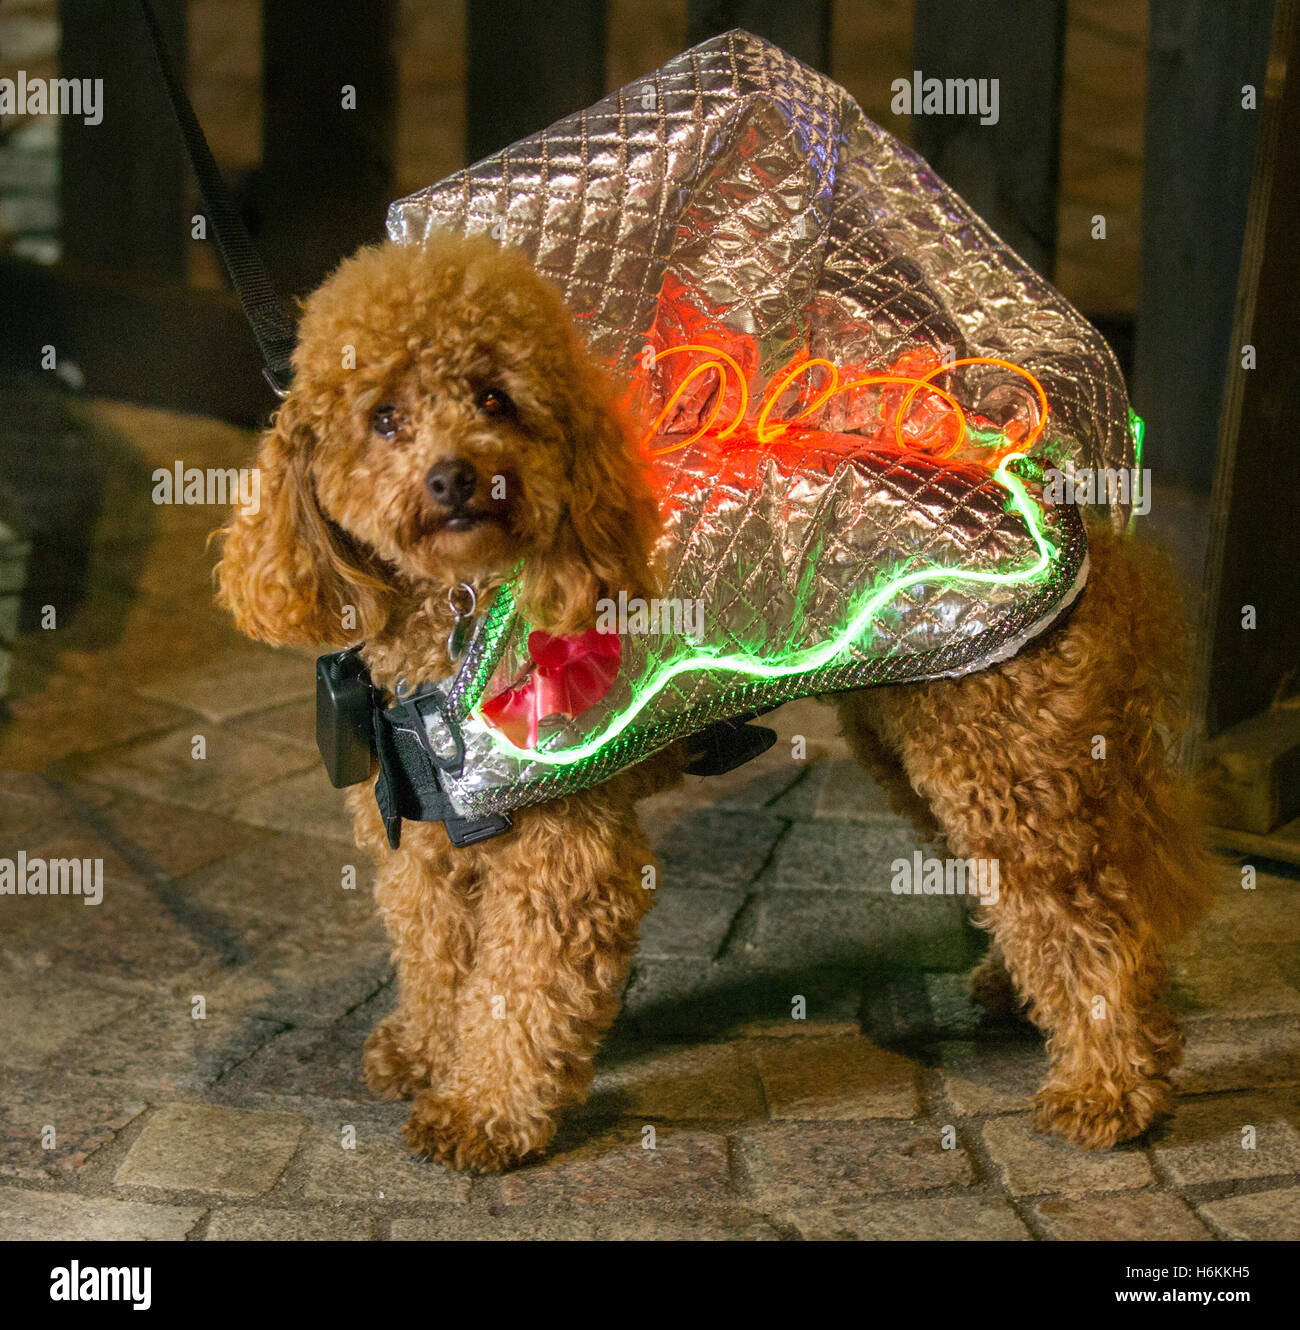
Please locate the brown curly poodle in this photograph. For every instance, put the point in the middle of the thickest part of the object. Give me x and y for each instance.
(424, 374)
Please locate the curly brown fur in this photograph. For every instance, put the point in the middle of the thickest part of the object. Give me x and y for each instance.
(1099, 858)
(456, 360)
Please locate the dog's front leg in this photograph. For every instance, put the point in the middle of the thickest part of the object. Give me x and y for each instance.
(425, 895)
(558, 906)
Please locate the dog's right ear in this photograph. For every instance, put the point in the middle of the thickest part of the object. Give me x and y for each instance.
(285, 572)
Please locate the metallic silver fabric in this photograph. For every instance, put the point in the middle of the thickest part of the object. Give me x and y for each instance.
(737, 199)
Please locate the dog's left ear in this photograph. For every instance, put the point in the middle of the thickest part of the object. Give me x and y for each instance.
(604, 541)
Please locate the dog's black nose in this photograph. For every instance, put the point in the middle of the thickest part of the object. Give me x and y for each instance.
(451, 483)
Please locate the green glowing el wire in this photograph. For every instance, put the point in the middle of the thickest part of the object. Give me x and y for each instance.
(1138, 428)
(801, 661)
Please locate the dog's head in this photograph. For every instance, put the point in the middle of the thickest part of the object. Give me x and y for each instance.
(445, 425)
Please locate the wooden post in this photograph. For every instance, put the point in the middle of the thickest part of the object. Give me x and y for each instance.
(528, 66)
(1006, 171)
(1250, 664)
(1200, 143)
(122, 181)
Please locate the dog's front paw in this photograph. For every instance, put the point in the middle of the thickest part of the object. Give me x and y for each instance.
(387, 1069)
(453, 1134)
(1096, 1118)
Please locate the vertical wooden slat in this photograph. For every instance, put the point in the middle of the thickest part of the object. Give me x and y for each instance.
(803, 29)
(1200, 144)
(1253, 550)
(1007, 171)
(122, 182)
(327, 170)
(528, 66)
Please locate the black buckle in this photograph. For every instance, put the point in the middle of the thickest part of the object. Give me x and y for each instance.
(463, 831)
(408, 705)
(726, 745)
(434, 804)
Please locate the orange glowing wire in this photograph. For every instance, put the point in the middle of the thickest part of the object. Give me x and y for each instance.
(761, 427)
(721, 365)
(765, 431)
(1031, 438)
(834, 387)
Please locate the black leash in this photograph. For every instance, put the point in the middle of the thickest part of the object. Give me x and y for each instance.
(273, 331)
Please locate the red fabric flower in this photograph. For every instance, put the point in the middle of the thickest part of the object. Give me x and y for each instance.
(571, 673)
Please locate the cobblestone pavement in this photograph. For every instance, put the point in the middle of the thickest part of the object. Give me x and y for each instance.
(182, 1059)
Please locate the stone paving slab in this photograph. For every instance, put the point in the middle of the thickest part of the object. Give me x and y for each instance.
(318, 1063)
(839, 929)
(31, 807)
(688, 922)
(40, 1216)
(168, 840)
(305, 804)
(1243, 960)
(315, 1062)
(710, 1081)
(673, 999)
(934, 1219)
(248, 679)
(132, 937)
(375, 1166)
(1239, 1055)
(804, 1164)
(953, 1014)
(288, 878)
(992, 1076)
(308, 976)
(846, 793)
(165, 769)
(216, 1150)
(162, 1048)
(643, 1225)
(713, 848)
(252, 1224)
(41, 732)
(1228, 1138)
(1143, 1216)
(684, 1168)
(295, 722)
(837, 1079)
(1029, 1163)
(841, 857)
(51, 1130)
(1268, 1216)
(42, 1012)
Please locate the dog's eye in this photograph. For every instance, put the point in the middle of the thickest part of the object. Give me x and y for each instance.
(385, 421)
(493, 402)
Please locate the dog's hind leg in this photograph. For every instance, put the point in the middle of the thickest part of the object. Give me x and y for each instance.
(560, 900)
(1057, 765)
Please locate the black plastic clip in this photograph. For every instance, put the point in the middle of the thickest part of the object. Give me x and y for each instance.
(449, 755)
(726, 745)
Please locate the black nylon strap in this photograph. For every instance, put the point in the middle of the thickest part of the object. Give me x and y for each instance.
(273, 331)
(407, 787)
